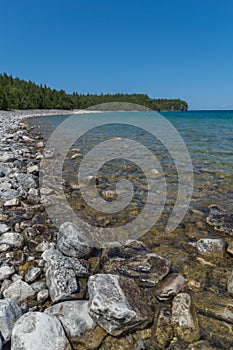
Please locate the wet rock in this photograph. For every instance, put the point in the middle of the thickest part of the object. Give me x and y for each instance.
(184, 318)
(61, 273)
(19, 291)
(9, 313)
(32, 274)
(218, 333)
(162, 331)
(6, 271)
(73, 241)
(170, 286)
(4, 228)
(230, 248)
(211, 247)
(116, 304)
(220, 219)
(81, 330)
(38, 331)
(11, 240)
(42, 295)
(134, 260)
(230, 284)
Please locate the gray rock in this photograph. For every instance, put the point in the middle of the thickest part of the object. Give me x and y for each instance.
(38, 286)
(61, 273)
(42, 295)
(42, 247)
(38, 331)
(6, 271)
(230, 284)
(34, 169)
(73, 241)
(19, 291)
(7, 157)
(5, 170)
(32, 274)
(184, 318)
(26, 181)
(9, 313)
(8, 195)
(212, 247)
(116, 303)
(5, 285)
(77, 323)
(134, 260)
(4, 228)
(220, 219)
(11, 239)
(170, 286)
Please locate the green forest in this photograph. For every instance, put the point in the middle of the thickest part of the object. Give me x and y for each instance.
(16, 93)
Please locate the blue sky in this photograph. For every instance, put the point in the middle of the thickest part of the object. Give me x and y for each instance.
(166, 48)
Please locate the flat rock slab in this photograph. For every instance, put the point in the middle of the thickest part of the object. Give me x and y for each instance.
(61, 274)
(9, 314)
(117, 304)
(38, 331)
(220, 220)
(73, 241)
(80, 328)
(134, 260)
(184, 318)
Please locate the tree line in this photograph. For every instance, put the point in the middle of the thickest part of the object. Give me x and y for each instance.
(16, 93)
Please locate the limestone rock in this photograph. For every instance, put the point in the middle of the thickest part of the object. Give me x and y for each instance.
(220, 219)
(6, 271)
(19, 291)
(81, 330)
(4, 228)
(11, 239)
(73, 241)
(170, 286)
(211, 247)
(184, 318)
(230, 284)
(42, 295)
(32, 274)
(61, 273)
(134, 260)
(9, 313)
(116, 303)
(38, 331)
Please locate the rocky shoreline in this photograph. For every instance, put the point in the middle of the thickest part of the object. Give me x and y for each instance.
(57, 292)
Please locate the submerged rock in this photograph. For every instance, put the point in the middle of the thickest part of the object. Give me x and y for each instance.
(211, 247)
(220, 219)
(184, 318)
(170, 286)
(81, 330)
(38, 331)
(134, 260)
(61, 273)
(116, 304)
(19, 291)
(162, 331)
(73, 241)
(9, 313)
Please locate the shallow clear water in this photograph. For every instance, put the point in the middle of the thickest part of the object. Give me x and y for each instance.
(208, 137)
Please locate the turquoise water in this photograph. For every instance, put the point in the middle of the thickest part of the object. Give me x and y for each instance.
(208, 136)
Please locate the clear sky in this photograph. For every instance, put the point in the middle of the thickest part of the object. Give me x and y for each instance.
(165, 48)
